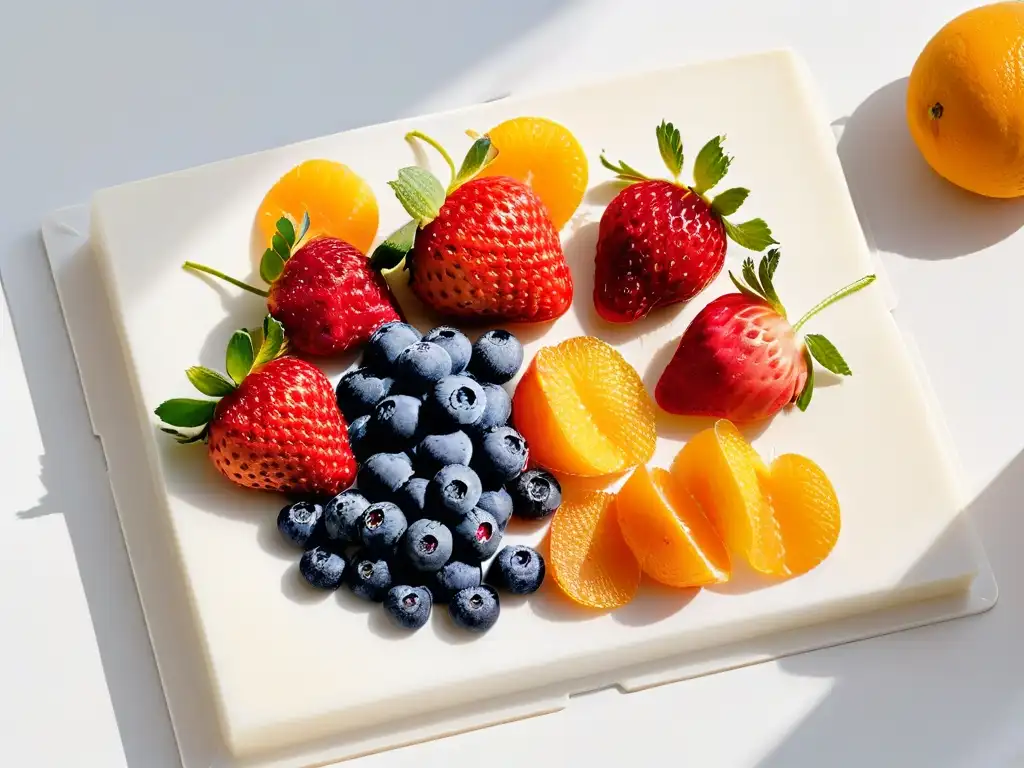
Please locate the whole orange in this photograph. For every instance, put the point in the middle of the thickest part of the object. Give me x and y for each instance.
(965, 100)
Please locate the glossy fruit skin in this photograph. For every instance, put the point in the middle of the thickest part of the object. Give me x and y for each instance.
(454, 577)
(360, 438)
(497, 410)
(396, 421)
(454, 342)
(408, 607)
(965, 101)
(297, 522)
(456, 402)
(492, 254)
(368, 576)
(517, 569)
(328, 298)
(535, 494)
(322, 568)
(386, 343)
(501, 456)
(453, 492)
(381, 475)
(436, 451)
(477, 536)
(658, 244)
(476, 608)
(411, 498)
(427, 545)
(497, 357)
(738, 359)
(343, 516)
(421, 365)
(360, 390)
(281, 430)
(381, 528)
(499, 504)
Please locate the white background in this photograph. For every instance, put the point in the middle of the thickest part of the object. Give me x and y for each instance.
(93, 94)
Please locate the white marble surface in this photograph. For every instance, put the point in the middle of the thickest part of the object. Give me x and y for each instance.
(99, 93)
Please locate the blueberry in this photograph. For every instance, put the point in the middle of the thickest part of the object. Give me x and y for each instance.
(456, 402)
(408, 607)
(322, 568)
(497, 356)
(499, 504)
(427, 545)
(360, 390)
(535, 494)
(501, 456)
(368, 576)
(395, 421)
(455, 576)
(475, 608)
(297, 521)
(453, 492)
(387, 342)
(382, 527)
(412, 498)
(343, 515)
(517, 569)
(477, 536)
(381, 475)
(454, 342)
(422, 365)
(360, 438)
(436, 451)
(497, 410)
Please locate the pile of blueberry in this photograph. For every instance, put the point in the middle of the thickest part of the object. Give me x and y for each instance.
(441, 473)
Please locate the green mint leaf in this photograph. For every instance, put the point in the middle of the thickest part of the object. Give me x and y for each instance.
(271, 265)
(765, 271)
(773, 261)
(711, 165)
(420, 193)
(396, 247)
(753, 234)
(281, 247)
(209, 382)
(273, 345)
(728, 202)
(622, 171)
(286, 230)
(186, 412)
(805, 397)
(824, 352)
(751, 278)
(240, 356)
(743, 289)
(480, 155)
(302, 229)
(670, 144)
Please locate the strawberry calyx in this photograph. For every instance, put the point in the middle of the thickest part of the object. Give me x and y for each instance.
(422, 195)
(283, 245)
(759, 286)
(710, 167)
(188, 419)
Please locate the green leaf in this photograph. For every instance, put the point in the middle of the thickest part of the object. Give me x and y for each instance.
(728, 202)
(303, 229)
(773, 257)
(240, 356)
(670, 144)
(271, 265)
(396, 247)
(623, 171)
(273, 345)
(751, 278)
(805, 397)
(186, 412)
(286, 230)
(825, 352)
(281, 247)
(209, 382)
(711, 165)
(480, 155)
(420, 193)
(765, 271)
(743, 289)
(753, 234)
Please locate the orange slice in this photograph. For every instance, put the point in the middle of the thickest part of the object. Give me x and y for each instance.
(668, 533)
(339, 203)
(589, 559)
(545, 155)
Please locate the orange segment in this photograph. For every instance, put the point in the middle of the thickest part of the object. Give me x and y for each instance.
(668, 533)
(589, 559)
(806, 508)
(545, 155)
(584, 410)
(339, 203)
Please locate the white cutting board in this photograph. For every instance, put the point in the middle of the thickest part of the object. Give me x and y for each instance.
(260, 672)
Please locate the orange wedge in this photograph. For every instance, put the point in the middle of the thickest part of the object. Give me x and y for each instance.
(339, 203)
(545, 155)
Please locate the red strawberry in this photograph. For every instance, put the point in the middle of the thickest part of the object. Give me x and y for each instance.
(482, 249)
(325, 293)
(740, 359)
(275, 425)
(661, 242)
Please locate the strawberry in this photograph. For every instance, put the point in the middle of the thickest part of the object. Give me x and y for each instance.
(661, 242)
(485, 248)
(324, 293)
(275, 423)
(740, 359)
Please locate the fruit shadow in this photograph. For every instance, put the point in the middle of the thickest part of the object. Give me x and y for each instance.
(744, 580)
(654, 602)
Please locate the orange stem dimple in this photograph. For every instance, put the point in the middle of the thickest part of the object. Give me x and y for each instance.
(935, 110)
